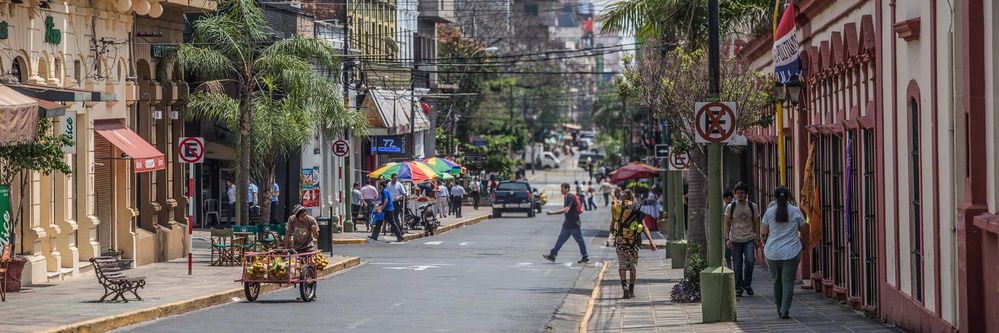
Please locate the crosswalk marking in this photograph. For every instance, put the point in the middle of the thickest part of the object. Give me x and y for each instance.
(465, 243)
(433, 243)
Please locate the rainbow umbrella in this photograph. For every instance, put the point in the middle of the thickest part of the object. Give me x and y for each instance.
(442, 166)
(416, 172)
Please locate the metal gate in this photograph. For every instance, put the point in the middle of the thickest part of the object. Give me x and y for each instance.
(104, 193)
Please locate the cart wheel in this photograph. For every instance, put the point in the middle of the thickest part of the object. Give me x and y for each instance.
(308, 289)
(251, 290)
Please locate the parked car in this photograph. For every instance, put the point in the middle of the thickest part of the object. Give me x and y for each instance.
(549, 160)
(513, 196)
(589, 157)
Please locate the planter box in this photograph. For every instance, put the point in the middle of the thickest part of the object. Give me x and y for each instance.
(13, 278)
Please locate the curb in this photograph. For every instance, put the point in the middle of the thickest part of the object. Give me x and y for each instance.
(412, 237)
(585, 323)
(172, 309)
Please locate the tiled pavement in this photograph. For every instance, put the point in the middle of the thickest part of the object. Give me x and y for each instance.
(652, 310)
(46, 307)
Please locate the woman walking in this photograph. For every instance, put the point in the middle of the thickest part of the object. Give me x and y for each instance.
(627, 229)
(781, 226)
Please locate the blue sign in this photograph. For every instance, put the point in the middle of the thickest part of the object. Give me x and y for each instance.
(389, 144)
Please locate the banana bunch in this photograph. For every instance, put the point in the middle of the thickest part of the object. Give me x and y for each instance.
(279, 268)
(636, 226)
(321, 261)
(256, 270)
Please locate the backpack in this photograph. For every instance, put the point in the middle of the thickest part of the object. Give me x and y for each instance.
(731, 208)
(628, 228)
(579, 207)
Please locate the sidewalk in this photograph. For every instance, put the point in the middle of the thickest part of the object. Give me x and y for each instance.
(652, 310)
(70, 306)
(469, 217)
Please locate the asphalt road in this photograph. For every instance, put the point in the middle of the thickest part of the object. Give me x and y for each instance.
(489, 277)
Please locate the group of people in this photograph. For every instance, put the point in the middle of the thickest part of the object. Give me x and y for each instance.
(746, 228)
(587, 195)
(252, 199)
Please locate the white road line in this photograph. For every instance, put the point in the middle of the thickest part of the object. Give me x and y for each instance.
(357, 324)
(398, 304)
(466, 243)
(433, 243)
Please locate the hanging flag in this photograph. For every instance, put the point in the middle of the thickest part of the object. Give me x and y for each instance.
(787, 54)
(810, 202)
(847, 204)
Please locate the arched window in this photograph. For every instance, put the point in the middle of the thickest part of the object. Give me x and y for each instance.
(17, 70)
(915, 199)
(78, 71)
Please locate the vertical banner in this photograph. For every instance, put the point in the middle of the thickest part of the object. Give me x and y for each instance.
(6, 220)
(787, 53)
(67, 126)
(310, 187)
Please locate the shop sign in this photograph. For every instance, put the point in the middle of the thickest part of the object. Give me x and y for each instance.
(67, 126)
(3, 30)
(310, 187)
(6, 220)
(52, 35)
(388, 144)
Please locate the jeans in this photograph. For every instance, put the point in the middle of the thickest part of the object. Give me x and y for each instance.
(577, 234)
(743, 260)
(606, 199)
(475, 200)
(274, 215)
(391, 220)
(782, 271)
(593, 205)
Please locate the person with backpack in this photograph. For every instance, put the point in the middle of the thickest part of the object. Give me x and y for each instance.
(742, 227)
(627, 229)
(570, 227)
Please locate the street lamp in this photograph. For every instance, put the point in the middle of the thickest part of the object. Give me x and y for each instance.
(790, 91)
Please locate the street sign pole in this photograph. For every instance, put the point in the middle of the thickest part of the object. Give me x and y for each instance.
(718, 291)
(190, 218)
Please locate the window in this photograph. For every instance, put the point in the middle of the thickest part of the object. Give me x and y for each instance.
(78, 71)
(15, 70)
(827, 213)
(836, 186)
(870, 223)
(853, 212)
(915, 207)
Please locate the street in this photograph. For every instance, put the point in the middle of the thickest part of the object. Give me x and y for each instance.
(489, 277)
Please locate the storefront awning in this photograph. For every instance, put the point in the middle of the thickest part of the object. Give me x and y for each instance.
(391, 109)
(62, 94)
(18, 117)
(144, 156)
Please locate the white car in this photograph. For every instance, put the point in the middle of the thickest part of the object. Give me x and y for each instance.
(548, 160)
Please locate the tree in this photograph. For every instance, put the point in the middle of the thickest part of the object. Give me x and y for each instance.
(280, 97)
(675, 20)
(19, 161)
(670, 84)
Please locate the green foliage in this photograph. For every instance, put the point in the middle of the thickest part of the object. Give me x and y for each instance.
(640, 188)
(686, 20)
(44, 155)
(611, 148)
(286, 88)
(695, 264)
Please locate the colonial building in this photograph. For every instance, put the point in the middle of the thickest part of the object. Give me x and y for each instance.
(118, 199)
(895, 103)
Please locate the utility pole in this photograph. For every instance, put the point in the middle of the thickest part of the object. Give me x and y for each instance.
(346, 132)
(717, 281)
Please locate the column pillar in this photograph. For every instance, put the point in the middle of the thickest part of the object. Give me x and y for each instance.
(86, 236)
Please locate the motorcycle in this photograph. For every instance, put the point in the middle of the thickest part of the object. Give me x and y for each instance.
(423, 219)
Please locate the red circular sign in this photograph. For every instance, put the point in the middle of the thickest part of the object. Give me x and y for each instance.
(715, 122)
(678, 161)
(341, 148)
(191, 150)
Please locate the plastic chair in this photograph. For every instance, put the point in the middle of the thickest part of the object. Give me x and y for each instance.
(210, 207)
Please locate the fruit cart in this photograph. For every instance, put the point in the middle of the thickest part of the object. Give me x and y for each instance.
(282, 266)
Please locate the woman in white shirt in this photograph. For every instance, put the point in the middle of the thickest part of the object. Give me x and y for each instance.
(781, 229)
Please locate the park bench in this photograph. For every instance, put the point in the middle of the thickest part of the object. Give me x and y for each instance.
(114, 280)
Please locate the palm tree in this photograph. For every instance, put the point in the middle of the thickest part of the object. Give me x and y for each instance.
(684, 23)
(686, 20)
(280, 97)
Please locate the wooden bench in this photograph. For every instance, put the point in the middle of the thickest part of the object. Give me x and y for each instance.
(114, 281)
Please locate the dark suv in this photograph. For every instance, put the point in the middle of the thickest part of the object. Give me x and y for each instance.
(513, 196)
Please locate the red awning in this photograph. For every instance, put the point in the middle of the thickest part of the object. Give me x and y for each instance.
(144, 156)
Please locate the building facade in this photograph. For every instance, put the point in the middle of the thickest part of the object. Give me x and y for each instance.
(120, 198)
(894, 110)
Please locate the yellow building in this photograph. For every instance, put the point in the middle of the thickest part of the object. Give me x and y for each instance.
(121, 196)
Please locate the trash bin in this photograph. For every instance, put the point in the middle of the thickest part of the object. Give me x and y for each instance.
(325, 234)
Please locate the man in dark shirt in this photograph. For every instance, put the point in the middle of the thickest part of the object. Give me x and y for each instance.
(388, 207)
(570, 227)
